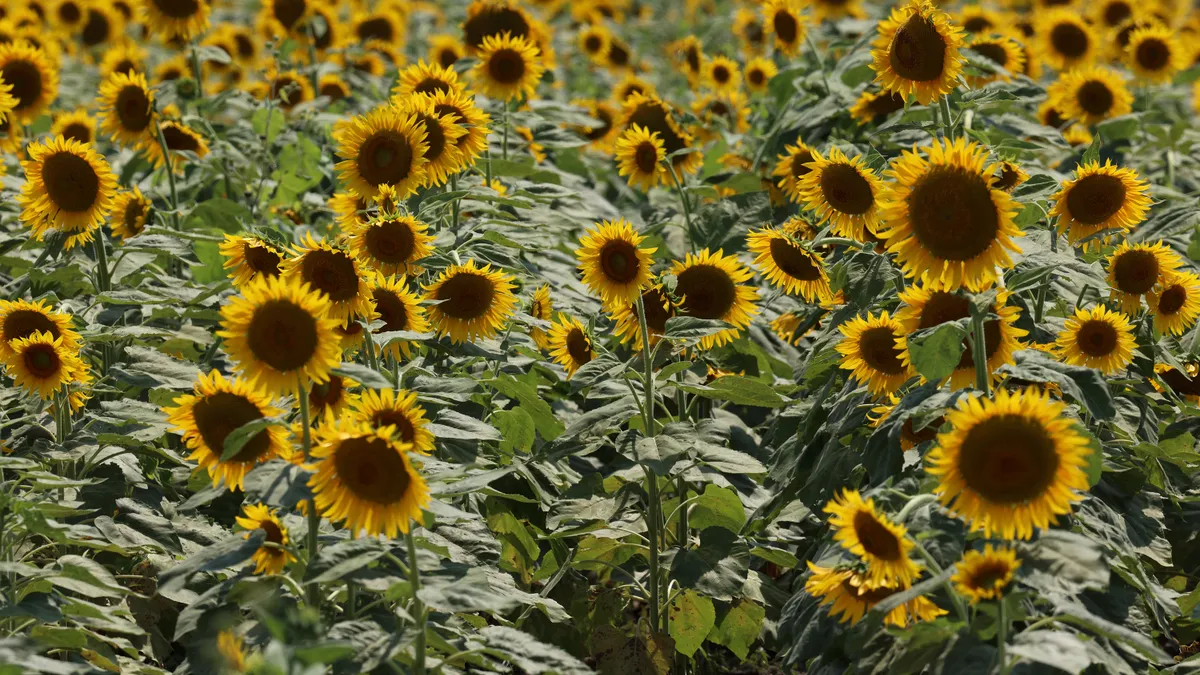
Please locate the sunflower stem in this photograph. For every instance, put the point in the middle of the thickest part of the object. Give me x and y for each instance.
(913, 504)
(62, 415)
(504, 144)
(372, 360)
(314, 519)
(170, 170)
(196, 70)
(936, 569)
(1002, 637)
(819, 58)
(947, 118)
(454, 205)
(414, 573)
(648, 424)
(687, 212)
(979, 352)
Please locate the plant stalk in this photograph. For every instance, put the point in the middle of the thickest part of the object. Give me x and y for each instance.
(979, 353)
(947, 118)
(652, 496)
(414, 574)
(314, 518)
(687, 212)
(1002, 636)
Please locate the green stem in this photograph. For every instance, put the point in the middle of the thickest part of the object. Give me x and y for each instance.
(687, 212)
(504, 145)
(166, 151)
(681, 525)
(820, 59)
(947, 118)
(62, 415)
(196, 71)
(455, 206)
(372, 359)
(936, 569)
(102, 278)
(314, 518)
(979, 353)
(414, 574)
(648, 423)
(1002, 636)
(913, 504)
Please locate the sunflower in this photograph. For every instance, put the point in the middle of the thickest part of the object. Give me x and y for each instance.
(640, 156)
(785, 326)
(627, 325)
(1065, 40)
(171, 70)
(267, 559)
(250, 258)
(486, 18)
(1001, 50)
(442, 133)
(651, 112)
(1135, 269)
(462, 106)
(1091, 95)
(75, 126)
(230, 648)
(1185, 383)
(874, 538)
(333, 87)
(1010, 463)
(977, 20)
(67, 16)
(101, 25)
(842, 191)
(332, 398)
(68, 188)
(182, 19)
(365, 478)
(848, 596)
(1154, 54)
(1110, 14)
(1077, 135)
(717, 111)
(569, 344)
(748, 27)
(400, 310)
(758, 73)
(1099, 198)
(594, 41)
(334, 272)
(1097, 338)
(279, 331)
(910, 436)
(926, 307)
(391, 244)
(22, 319)
(445, 50)
(619, 57)
(44, 364)
(831, 10)
(792, 167)
(688, 53)
(614, 267)
(288, 88)
(216, 408)
(384, 147)
(984, 575)
(784, 20)
(131, 211)
(33, 78)
(788, 266)
(508, 68)
(917, 52)
(712, 286)
(944, 219)
(180, 139)
(426, 78)
(1009, 176)
(1175, 303)
(127, 105)
(600, 137)
(721, 73)
(869, 351)
(541, 307)
(474, 302)
(282, 18)
(876, 107)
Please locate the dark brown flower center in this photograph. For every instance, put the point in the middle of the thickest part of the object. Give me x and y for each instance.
(494, 20)
(330, 272)
(877, 348)
(646, 157)
(179, 140)
(178, 9)
(283, 335)
(274, 534)
(375, 28)
(71, 182)
(885, 104)
(1096, 338)
(396, 418)
(288, 12)
(619, 261)
(42, 361)
(1135, 271)
(800, 162)
(656, 119)
(787, 28)
(952, 213)
(466, 296)
(133, 108)
(1096, 198)
(132, 218)
(447, 57)
(1008, 459)
(1116, 12)
(262, 260)
(876, 539)
(390, 241)
(918, 51)
(846, 190)
(435, 138)
(708, 292)
(618, 54)
(977, 24)
(794, 261)
(385, 158)
(992, 52)
(1069, 40)
(219, 415)
(1095, 97)
(77, 131)
(326, 395)
(1172, 300)
(371, 470)
(96, 30)
(579, 347)
(22, 323)
(1153, 54)
(26, 83)
(392, 310)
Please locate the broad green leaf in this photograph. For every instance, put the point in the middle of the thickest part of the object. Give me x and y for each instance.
(717, 507)
(937, 351)
(335, 561)
(252, 430)
(1058, 648)
(717, 568)
(516, 429)
(739, 627)
(690, 617)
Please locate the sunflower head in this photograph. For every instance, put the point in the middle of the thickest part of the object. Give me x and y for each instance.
(541, 307)
(1099, 198)
(917, 52)
(391, 244)
(1009, 176)
(843, 192)
(640, 156)
(130, 213)
(789, 266)
(758, 73)
(569, 344)
(127, 107)
(44, 364)
(383, 147)
(601, 133)
(461, 108)
(1175, 303)
(399, 410)
(32, 76)
(713, 286)
(332, 271)
(784, 20)
(614, 266)
(475, 302)
(444, 131)
(1097, 338)
(1135, 269)
(250, 257)
(594, 41)
(182, 143)
(792, 167)
(68, 188)
(1091, 95)
(22, 319)
(333, 87)
(77, 125)
(445, 50)
(882, 544)
(1154, 54)
(984, 575)
(427, 78)
(850, 597)
(721, 73)
(1066, 40)
(400, 309)
(273, 557)
(876, 107)
(509, 67)
(1004, 52)
(655, 115)
(870, 352)
(176, 19)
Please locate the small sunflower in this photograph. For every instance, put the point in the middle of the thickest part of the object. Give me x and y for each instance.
(594, 41)
(333, 87)
(287, 88)
(383, 147)
(614, 267)
(334, 272)
(1097, 338)
(250, 257)
(231, 649)
(721, 74)
(657, 116)
(789, 266)
(487, 18)
(1111, 14)
(910, 435)
(1099, 198)
(869, 351)
(180, 139)
(604, 132)
(985, 575)
(569, 344)
(688, 54)
(475, 302)
(282, 18)
(171, 70)
(1175, 303)
(874, 538)
(67, 16)
(1077, 135)
(44, 364)
(279, 332)
(843, 192)
(1185, 383)
(508, 68)
(445, 50)
(183, 19)
(720, 111)
(627, 325)
(101, 25)
(977, 20)
(876, 107)
(849, 597)
(1010, 464)
(426, 78)
(748, 28)
(399, 410)
(1009, 176)
(541, 307)
(1154, 54)
(713, 286)
(619, 57)
(943, 217)
(791, 167)
(758, 73)
(22, 319)
(784, 20)
(640, 156)
(1135, 269)
(917, 52)
(400, 310)
(267, 559)
(1065, 39)
(216, 408)
(77, 125)
(33, 78)
(1001, 50)
(364, 477)
(130, 212)
(391, 244)
(1091, 95)
(68, 188)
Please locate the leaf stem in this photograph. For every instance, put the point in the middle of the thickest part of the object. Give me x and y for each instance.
(648, 423)
(947, 118)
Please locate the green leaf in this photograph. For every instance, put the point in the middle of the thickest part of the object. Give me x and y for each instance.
(717, 507)
(268, 126)
(717, 568)
(219, 213)
(516, 428)
(239, 437)
(690, 617)
(451, 424)
(226, 553)
(1095, 465)
(1065, 562)
(739, 627)
(335, 561)
(544, 419)
(1117, 129)
(937, 351)
(531, 656)
(693, 328)
(738, 390)
(1059, 649)
(363, 375)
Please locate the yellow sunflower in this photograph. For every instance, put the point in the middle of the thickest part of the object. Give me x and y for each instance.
(279, 332)
(282, 18)
(569, 344)
(1065, 39)
(1077, 135)
(127, 108)
(383, 147)
(721, 73)
(180, 139)
(183, 19)
(171, 70)
(917, 52)
(231, 647)
(399, 410)
(508, 68)
(400, 310)
(619, 57)
(748, 27)
(594, 41)
(23, 318)
(1009, 176)
(601, 135)
(77, 125)
(791, 168)
(130, 212)
(69, 188)
(333, 87)
(849, 598)
(1010, 464)
(250, 257)
(1099, 198)
(332, 271)
(1135, 269)
(267, 559)
(640, 156)
(713, 286)
(541, 307)
(843, 192)
(462, 106)
(33, 78)
(614, 267)
(365, 477)
(1185, 383)
(831, 10)
(1154, 54)
(944, 219)
(1001, 50)
(657, 116)
(332, 398)
(287, 88)
(7, 101)
(874, 538)
(659, 309)
(1097, 338)
(910, 436)
(790, 267)
(67, 16)
(688, 54)
(216, 408)
(445, 50)
(784, 19)
(391, 244)
(869, 351)
(977, 20)
(101, 25)
(758, 74)
(1175, 303)
(876, 107)
(1111, 14)
(475, 302)
(44, 364)
(984, 575)
(442, 133)
(426, 78)
(1091, 95)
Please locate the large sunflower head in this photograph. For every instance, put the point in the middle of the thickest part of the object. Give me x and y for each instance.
(1135, 269)
(569, 344)
(655, 115)
(613, 264)
(474, 302)
(130, 212)
(279, 333)
(250, 258)
(984, 575)
(875, 107)
(273, 558)
(788, 265)
(127, 108)
(1099, 198)
(713, 286)
(176, 19)
(1010, 463)
(1097, 338)
(509, 67)
(1091, 95)
(791, 167)
(871, 353)
(44, 364)
(443, 133)
(32, 76)
(1175, 303)
(850, 597)
(216, 408)
(843, 192)
(334, 272)
(945, 220)
(427, 78)
(882, 544)
(365, 478)
(627, 325)
(399, 410)
(182, 143)
(391, 243)
(784, 19)
(22, 319)
(917, 52)
(77, 125)
(640, 156)
(384, 147)
(462, 109)
(1065, 39)
(1154, 54)
(400, 310)
(69, 188)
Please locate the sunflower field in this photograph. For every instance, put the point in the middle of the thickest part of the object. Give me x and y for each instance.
(639, 337)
